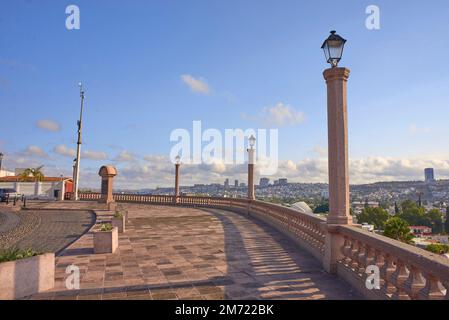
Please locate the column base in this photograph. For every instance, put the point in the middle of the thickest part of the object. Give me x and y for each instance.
(339, 220)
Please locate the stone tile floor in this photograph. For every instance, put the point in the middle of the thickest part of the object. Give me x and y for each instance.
(189, 253)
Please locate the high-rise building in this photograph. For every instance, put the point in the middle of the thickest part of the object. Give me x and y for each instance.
(264, 182)
(226, 183)
(283, 181)
(429, 175)
(236, 183)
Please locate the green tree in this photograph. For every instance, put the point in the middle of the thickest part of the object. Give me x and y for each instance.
(435, 218)
(446, 223)
(322, 208)
(397, 228)
(438, 248)
(414, 215)
(35, 173)
(396, 208)
(374, 216)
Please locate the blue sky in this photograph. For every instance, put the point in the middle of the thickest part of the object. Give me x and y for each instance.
(251, 55)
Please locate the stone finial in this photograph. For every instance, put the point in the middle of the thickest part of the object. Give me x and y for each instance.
(107, 174)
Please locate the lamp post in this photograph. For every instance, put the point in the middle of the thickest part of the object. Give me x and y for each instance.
(336, 80)
(177, 165)
(337, 129)
(78, 149)
(251, 149)
(1, 160)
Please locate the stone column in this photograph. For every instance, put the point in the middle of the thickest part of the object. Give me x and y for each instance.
(107, 174)
(62, 191)
(251, 194)
(336, 79)
(337, 119)
(177, 165)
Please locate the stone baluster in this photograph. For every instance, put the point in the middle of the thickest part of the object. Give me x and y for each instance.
(398, 278)
(432, 290)
(386, 272)
(354, 254)
(346, 250)
(361, 258)
(414, 283)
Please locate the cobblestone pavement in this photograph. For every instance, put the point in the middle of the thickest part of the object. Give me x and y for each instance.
(188, 253)
(45, 231)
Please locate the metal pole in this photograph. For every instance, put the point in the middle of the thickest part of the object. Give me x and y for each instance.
(1, 160)
(78, 149)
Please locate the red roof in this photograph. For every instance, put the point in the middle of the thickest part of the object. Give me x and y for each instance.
(31, 179)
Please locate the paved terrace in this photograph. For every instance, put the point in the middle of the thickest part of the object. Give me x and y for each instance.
(188, 253)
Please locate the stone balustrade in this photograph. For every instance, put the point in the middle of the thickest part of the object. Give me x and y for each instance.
(405, 272)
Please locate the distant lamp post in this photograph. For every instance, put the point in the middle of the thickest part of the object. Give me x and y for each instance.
(333, 48)
(78, 149)
(1, 160)
(337, 118)
(177, 165)
(251, 149)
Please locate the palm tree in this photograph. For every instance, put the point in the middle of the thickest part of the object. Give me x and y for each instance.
(35, 173)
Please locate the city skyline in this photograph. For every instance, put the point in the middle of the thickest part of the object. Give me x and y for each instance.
(138, 90)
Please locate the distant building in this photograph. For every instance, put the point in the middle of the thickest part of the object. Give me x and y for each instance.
(6, 173)
(421, 231)
(226, 184)
(429, 175)
(49, 188)
(302, 207)
(325, 194)
(236, 183)
(264, 182)
(283, 182)
(242, 184)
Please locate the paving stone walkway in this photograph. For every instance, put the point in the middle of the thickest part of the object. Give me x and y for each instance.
(189, 253)
(43, 230)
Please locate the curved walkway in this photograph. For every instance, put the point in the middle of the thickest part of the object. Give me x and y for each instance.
(188, 253)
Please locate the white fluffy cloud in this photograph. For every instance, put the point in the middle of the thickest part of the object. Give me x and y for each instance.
(279, 115)
(48, 125)
(196, 85)
(34, 151)
(63, 150)
(124, 156)
(94, 155)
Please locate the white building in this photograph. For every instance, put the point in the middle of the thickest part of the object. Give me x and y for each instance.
(50, 188)
(6, 173)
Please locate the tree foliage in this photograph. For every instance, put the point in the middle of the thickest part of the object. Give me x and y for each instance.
(398, 229)
(374, 216)
(35, 173)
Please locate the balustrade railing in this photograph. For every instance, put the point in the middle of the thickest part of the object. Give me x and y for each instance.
(406, 272)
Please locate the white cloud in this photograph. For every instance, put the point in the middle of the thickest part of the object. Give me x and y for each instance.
(63, 150)
(124, 156)
(94, 155)
(48, 125)
(279, 115)
(34, 151)
(196, 85)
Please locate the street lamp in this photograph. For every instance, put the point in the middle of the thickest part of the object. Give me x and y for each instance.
(78, 149)
(333, 48)
(177, 165)
(1, 160)
(252, 143)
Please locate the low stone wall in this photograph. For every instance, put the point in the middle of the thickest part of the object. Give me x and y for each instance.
(25, 277)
